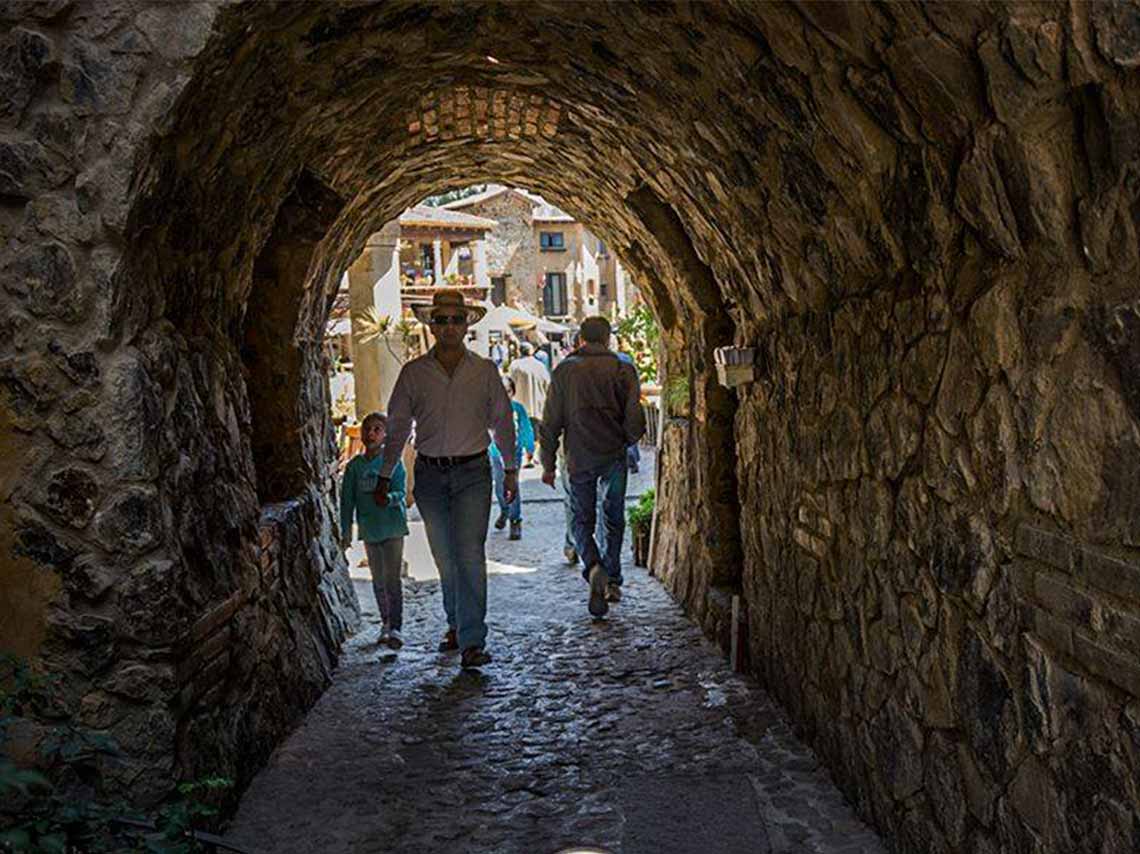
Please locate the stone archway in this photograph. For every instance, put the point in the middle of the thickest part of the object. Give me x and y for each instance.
(923, 216)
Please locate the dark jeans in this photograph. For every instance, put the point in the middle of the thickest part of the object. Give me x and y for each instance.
(564, 479)
(584, 488)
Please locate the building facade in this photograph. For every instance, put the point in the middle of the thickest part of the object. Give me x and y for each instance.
(544, 261)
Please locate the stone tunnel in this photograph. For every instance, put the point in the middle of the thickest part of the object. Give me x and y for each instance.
(922, 216)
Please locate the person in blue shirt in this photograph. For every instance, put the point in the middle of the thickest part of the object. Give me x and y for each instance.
(543, 355)
(524, 430)
(381, 528)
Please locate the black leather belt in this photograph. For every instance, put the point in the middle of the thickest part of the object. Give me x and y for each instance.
(448, 462)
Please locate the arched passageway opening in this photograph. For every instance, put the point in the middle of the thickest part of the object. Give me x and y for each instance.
(923, 218)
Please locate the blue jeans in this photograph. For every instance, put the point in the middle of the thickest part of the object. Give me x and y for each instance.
(498, 472)
(584, 505)
(455, 503)
(633, 455)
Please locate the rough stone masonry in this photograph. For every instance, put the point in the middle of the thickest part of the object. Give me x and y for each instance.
(922, 215)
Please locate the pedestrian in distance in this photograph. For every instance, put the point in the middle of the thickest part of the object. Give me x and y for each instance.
(512, 511)
(531, 379)
(542, 353)
(456, 401)
(498, 354)
(594, 403)
(382, 528)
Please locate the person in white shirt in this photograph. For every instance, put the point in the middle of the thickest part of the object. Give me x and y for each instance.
(454, 397)
(531, 379)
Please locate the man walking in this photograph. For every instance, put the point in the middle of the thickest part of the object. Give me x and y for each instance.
(593, 400)
(454, 397)
(531, 379)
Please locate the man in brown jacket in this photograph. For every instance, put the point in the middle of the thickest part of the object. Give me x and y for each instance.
(594, 400)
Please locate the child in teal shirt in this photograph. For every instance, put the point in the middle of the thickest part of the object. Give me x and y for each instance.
(382, 528)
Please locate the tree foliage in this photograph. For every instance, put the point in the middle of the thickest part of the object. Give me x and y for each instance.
(641, 337)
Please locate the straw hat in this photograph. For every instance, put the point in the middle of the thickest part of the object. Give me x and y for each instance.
(448, 299)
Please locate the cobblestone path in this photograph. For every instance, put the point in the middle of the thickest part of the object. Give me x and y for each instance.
(629, 734)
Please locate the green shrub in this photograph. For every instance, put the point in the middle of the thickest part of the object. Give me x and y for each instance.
(641, 513)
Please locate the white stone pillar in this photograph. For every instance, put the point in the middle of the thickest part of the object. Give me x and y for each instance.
(480, 259)
(374, 282)
(452, 260)
(437, 256)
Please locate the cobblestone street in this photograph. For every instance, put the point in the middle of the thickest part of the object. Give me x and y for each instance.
(629, 734)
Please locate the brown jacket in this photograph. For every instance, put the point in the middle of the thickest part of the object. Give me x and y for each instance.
(594, 398)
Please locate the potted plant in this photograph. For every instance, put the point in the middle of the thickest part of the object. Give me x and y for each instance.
(640, 520)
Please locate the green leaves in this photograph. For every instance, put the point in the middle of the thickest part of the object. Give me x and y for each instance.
(641, 337)
(372, 324)
(641, 513)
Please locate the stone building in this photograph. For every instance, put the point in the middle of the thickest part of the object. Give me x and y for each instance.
(921, 216)
(543, 260)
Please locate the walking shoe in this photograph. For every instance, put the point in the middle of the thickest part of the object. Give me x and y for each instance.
(516, 529)
(385, 631)
(394, 639)
(570, 554)
(450, 642)
(613, 592)
(598, 604)
(473, 657)
(501, 522)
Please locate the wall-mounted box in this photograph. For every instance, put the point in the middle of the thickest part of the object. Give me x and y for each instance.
(735, 365)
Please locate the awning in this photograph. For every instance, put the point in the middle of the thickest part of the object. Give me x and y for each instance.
(504, 318)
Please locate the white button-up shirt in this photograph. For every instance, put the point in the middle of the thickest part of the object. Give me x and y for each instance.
(453, 413)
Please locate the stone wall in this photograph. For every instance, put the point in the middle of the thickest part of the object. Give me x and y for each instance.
(923, 216)
(937, 464)
(512, 247)
(186, 620)
(905, 603)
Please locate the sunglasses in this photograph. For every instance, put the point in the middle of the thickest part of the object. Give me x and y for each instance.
(449, 320)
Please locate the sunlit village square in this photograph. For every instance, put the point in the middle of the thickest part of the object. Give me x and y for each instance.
(547, 427)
